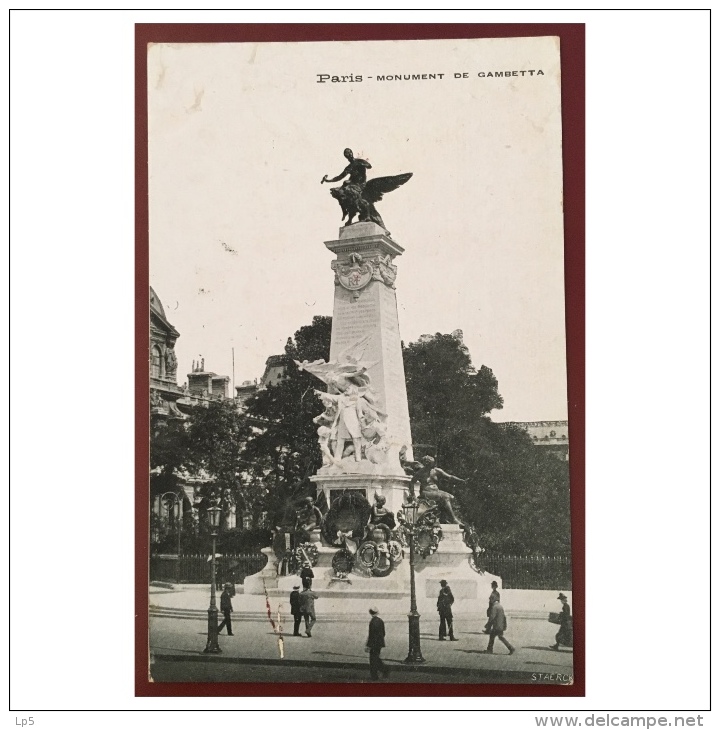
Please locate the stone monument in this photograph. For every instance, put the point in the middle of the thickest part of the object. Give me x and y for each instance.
(364, 436)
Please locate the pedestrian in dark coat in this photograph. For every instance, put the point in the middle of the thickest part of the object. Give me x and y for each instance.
(295, 610)
(307, 608)
(498, 625)
(375, 644)
(444, 606)
(227, 609)
(565, 635)
(306, 576)
(494, 596)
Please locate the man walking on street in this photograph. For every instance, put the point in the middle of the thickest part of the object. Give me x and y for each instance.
(375, 644)
(227, 609)
(307, 608)
(498, 625)
(295, 609)
(494, 596)
(444, 606)
(565, 635)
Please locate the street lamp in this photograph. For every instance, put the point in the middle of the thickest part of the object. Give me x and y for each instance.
(414, 654)
(212, 646)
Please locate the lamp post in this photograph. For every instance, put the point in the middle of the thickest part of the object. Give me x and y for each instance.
(212, 646)
(414, 654)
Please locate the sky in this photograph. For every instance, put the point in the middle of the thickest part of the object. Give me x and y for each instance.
(240, 136)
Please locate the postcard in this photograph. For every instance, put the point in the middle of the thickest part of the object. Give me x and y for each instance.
(359, 462)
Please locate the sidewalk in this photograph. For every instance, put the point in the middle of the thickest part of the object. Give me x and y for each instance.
(190, 599)
(178, 628)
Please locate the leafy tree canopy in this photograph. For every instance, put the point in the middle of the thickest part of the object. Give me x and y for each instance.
(217, 435)
(517, 497)
(283, 449)
(208, 443)
(447, 396)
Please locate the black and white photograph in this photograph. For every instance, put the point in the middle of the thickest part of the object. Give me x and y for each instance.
(344, 346)
(359, 437)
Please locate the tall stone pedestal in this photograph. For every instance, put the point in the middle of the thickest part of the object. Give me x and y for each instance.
(366, 306)
(365, 311)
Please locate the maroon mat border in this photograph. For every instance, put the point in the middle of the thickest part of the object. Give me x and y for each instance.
(572, 50)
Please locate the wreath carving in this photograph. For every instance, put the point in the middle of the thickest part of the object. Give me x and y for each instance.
(306, 551)
(343, 562)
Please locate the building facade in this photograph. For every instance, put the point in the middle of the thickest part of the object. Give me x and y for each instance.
(175, 501)
(552, 436)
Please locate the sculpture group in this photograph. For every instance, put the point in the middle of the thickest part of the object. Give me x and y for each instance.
(357, 195)
(352, 426)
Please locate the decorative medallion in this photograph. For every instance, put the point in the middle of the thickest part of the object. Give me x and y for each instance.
(368, 555)
(357, 272)
(353, 275)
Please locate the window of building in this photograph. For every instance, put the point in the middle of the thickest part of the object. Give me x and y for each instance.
(156, 362)
(247, 522)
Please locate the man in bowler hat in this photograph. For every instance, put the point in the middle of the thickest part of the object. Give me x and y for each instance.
(494, 596)
(444, 606)
(375, 644)
(227, 609)
(295, 610)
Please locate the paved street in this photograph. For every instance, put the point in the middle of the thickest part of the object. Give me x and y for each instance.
(335, 653)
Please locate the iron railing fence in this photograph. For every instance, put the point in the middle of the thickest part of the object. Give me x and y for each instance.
(230, 568)
(531, 572)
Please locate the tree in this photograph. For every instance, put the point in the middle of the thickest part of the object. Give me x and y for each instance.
(447, 397)
(207, 444)
(169, 453)
(283, 450)
(517, 497)
(217, 434)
